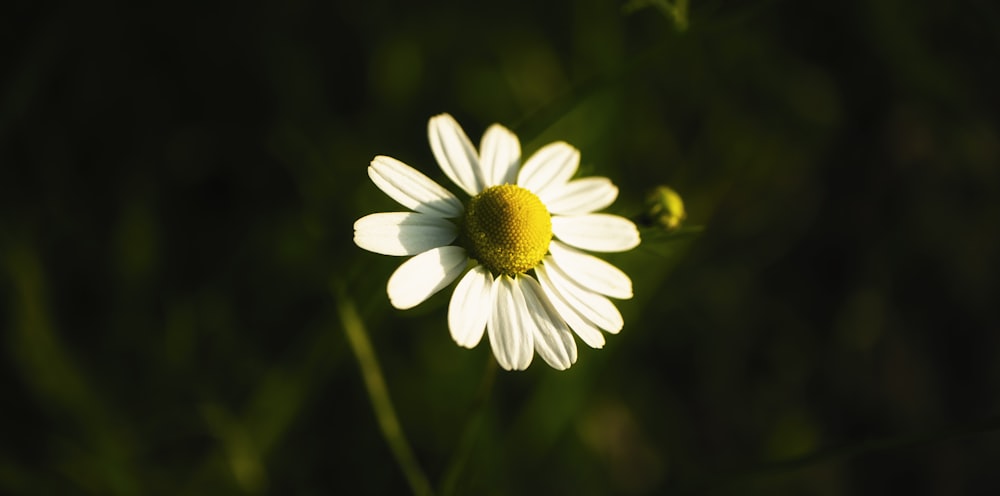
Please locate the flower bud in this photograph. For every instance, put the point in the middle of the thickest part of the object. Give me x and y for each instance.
(664, 208)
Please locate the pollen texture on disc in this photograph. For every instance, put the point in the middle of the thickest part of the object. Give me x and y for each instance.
(507, 229)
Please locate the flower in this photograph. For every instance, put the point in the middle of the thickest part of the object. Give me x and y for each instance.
(515, 246)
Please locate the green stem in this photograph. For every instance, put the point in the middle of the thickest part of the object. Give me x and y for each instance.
(371, 373)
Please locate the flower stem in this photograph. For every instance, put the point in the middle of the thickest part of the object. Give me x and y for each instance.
(371, 373)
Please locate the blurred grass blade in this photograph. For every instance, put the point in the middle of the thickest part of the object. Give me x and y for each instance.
(712, 483)
(357, 337)
(476, 417)
(102, 460)
(676, 11)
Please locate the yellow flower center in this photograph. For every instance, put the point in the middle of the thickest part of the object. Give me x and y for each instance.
(507, 229)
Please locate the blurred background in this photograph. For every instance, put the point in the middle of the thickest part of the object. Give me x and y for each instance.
(178, 184)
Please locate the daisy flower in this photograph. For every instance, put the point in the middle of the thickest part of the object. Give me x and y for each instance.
(515, 246)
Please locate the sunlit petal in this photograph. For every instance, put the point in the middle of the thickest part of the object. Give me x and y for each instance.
(590, 305)
(580, 196)
(403, 233)
(470, 307)
(551, 166)
(412, 189)
(455, 153)
(425, 274)
(591, 272)
(553, 340)
(587, 330)
(510, 326)
(500, 156)
(596, 232)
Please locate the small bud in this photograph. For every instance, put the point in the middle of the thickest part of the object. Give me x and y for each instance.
(664, 208)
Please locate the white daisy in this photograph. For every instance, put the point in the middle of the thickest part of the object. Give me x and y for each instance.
(517, 241)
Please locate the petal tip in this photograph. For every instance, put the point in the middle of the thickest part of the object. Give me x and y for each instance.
(398, 305)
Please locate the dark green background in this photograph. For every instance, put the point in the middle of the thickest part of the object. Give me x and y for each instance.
(178, 184)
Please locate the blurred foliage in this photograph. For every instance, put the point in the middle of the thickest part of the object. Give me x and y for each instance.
(178, 184)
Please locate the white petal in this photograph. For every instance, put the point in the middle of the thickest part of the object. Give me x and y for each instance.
(591, 272)
(509, 326)
(550, 166)
(470, 307)
(403, 233)
(590, 305)
(412, 189)
(425, 274)
(580, 196)
(584, 328)
(499, 156)
(596, 232)
(455, 153)
(553, 340)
